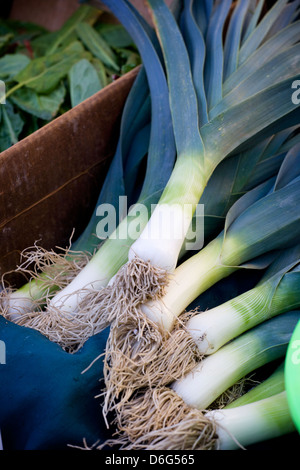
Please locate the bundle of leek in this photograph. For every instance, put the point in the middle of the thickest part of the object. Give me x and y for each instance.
(258, 226)
(195, 153)
(183, 417)
(199, 152)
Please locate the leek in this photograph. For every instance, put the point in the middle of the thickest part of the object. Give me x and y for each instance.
(178, 416)
(195, 161)
(272, 296)
(250, 240)
(253, 423)
(134, 338)
(270, 386)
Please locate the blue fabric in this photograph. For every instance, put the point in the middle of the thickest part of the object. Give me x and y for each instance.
(45, 400)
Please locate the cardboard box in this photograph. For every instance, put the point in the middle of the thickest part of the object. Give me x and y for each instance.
(50, 181)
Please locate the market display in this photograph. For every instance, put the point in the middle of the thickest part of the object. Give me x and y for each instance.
(175, 302)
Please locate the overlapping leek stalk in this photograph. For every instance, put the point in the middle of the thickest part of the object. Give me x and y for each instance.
(274, 294)
(260, 414)
(135, 338)
(260, 224)
(182, 416)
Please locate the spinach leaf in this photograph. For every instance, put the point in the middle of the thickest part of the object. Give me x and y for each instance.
(101, 71)
(84, 13)
(11, 125)
(84, 81)
(96, 45)
(11, 65)
(114, 34)
(45, 73)
(44, 106)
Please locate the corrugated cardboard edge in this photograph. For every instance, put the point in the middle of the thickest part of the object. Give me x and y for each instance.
(50, 181)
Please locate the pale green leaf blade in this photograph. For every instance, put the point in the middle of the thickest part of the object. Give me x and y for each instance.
(83, 81)
(85, 13)
(11, 65)
(281, 41)
(281, 67)
(259, 33)
(96, 45)
(45, 106)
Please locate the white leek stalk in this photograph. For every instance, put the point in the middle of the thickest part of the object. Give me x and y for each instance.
(176, 417)
(215, 327)
(253, 423)
(249, 351)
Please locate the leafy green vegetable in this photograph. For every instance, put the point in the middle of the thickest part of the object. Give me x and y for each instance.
(45, 73)
(84, 13)
(114, 34)
(48, 72)
(97, 45)
(42, 106)
(11, 65)
(11, 125)
(84, 81)
(4, 39)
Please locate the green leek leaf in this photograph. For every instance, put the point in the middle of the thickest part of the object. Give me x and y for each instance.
(276, 44)
(259, 33)
(196, 48)
(281, 67)
(213, 70)
(233, 38)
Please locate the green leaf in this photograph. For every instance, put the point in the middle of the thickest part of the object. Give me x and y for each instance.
(279, 68)
(84, 81)
(101, 71)
(45, 73)
(276, 44)
(5, 39)
(84, 13)
(258, 34)
(114, 34)
(40, 45)
(260, 115)
(44, 107)
(131, 59)
(96, 45)
(12, 64)
(11, 125)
